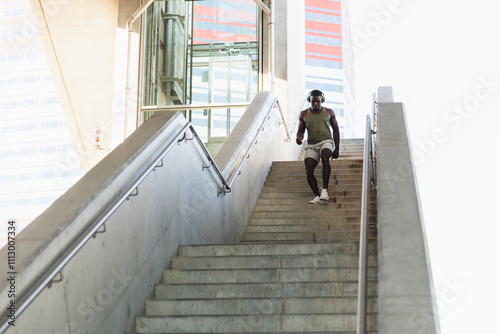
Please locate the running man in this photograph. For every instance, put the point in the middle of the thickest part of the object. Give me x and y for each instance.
(318, 120)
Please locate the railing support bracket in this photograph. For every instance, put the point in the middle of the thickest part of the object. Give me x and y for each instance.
(203, 167)
(54, 280)
(134, 193)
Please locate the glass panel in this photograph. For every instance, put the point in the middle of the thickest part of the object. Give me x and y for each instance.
(224, 62)
(166, 27)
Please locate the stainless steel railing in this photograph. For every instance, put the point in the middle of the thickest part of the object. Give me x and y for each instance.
(368, 179)
(148, 110)
(48, 274)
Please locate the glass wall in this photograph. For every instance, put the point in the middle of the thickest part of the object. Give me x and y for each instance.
(166, 33)
(202, 52)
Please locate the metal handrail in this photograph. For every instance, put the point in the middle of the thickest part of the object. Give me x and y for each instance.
(237, 170)
(47, 276)
(363, 240)
(284, 122)
(195, 106)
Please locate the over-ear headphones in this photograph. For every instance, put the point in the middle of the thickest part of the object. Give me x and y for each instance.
(316, 91)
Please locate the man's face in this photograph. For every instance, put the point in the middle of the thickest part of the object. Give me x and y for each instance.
(316, 102)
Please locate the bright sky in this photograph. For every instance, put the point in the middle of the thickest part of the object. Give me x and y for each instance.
(442, 59)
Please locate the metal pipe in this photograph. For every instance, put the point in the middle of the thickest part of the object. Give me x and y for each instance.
(138, 13)
(237, 170)
(271, 43)
(195, 106)
(363, 237)
(129, 23)
(263, 6)
(284, 122)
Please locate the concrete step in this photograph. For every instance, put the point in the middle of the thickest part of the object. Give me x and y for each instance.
(301, 183)
(263, 275)
(292, 176)
(336, 163)
(256, 227)
(319, 211)
(300, 200)
(340, 227)
(306, 206)
(262, 290)
(275, 193)
(306, 221)
(296, 323)
(320, 236)
(231, 306)
(273, 249)
(297, 173)
(268, 262)
(335, 190)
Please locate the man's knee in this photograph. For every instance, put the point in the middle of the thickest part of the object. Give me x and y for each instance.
(310, 165)
(325, 156)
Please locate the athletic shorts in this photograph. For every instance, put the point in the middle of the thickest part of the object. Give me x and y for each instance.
(314, 151)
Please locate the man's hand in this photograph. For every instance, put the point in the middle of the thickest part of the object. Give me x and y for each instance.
(335, 153)
(299, 139)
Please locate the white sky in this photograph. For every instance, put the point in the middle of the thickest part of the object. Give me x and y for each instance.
(437, 56)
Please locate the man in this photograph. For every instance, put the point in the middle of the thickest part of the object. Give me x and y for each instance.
(318, 120)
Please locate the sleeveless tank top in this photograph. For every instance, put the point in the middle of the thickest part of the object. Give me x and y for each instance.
(318, 127)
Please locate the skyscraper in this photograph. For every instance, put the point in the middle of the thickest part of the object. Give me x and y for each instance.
(38, 162)
(329, 59)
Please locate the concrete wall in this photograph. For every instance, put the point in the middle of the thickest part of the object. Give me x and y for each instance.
(406, 298)
(106, 283)
(85, 43)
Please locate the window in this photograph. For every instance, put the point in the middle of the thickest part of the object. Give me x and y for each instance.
(52, 100)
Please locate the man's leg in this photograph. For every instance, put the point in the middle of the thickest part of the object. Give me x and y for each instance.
(326, 154)
(311, 179)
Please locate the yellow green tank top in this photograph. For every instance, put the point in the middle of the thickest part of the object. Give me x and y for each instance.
(318, 127)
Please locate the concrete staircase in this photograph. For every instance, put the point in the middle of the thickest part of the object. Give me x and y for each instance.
(295, 270)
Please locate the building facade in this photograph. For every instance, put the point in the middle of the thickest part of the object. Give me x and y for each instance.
(329, 58)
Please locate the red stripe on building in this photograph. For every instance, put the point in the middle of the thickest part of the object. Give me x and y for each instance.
(324, 49)
(220, 36)
(324, 4)
(321, 26)
(230, 23)
(322, 12)
(310, 33)
(338, 60)
(206, 11)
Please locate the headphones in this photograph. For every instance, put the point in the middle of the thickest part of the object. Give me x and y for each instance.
(316, 91)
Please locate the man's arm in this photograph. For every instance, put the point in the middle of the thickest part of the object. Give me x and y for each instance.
(302, 128)
(336, 133)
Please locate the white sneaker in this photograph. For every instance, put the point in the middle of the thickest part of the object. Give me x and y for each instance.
(316, 200)
(324, 195)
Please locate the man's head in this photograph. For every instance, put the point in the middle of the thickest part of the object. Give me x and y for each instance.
(316, 97)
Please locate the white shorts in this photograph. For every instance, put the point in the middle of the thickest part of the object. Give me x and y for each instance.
(314, 151)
